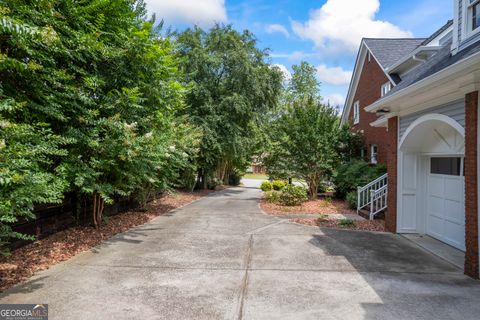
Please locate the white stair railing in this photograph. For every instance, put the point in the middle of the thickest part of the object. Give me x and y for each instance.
(365, 195)
(379, 201)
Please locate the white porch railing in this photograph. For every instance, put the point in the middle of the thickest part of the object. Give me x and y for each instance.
(374, 191)
(379, 201)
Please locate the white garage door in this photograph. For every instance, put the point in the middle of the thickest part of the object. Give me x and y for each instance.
(446, 201)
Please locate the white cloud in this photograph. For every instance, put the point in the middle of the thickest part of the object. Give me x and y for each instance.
(294, 56)
(339, 25)
(278, 28)
(201, 12)
(335, 76)
(335, 99)
(286, 73)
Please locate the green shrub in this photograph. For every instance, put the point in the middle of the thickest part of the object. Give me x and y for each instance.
(266, 186)
(235, 178)
(322, 187)
(293, 195)
(346, 223)
(355, 174)
(272, 196)
(352, 199)
(278, 185)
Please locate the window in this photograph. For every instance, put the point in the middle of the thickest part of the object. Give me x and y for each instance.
(363, 153)
(475, 14)
(369, 56)
(386, 89)
(446, 166)
(356, 112)
(373, 153)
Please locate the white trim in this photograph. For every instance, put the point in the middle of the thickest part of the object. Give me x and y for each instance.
(429, 117)
(380, 122)
(356, 112)
(467, 27)
(470, 64)
(421, 160)
(412, 55)
(373, 155)
(352, 88)
(380, 65)
(363, 51)
(385, 89)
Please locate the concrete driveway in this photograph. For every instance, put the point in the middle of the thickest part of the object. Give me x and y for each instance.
(221, 258)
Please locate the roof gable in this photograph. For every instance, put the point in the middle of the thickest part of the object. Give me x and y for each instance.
(389, 51)
(385, 52)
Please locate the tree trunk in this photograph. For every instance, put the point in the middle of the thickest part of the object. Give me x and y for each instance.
(313, 188)
(97, 210)
(94, 210)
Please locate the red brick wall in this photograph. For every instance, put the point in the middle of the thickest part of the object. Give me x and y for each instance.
(368, 91)
(391, 147)
(471, 185)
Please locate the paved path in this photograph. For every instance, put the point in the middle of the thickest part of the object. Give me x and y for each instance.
(221, 258)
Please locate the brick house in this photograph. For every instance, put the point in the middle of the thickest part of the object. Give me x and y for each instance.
(371, 81)
(431, 120)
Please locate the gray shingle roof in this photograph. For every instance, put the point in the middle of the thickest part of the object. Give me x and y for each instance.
(436, 63)
(438, 32)
(389, 51)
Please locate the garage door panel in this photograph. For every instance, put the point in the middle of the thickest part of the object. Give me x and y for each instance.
(454, 189)
(436, 186)
(435, 225)
(446, 208)
(455, 234)
(454, 210)
(436, 205)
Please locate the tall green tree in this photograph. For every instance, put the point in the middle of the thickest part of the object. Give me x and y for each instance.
(89, 98)
(304, 139)
(231, 84)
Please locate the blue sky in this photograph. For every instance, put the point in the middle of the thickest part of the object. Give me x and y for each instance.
(325, 33)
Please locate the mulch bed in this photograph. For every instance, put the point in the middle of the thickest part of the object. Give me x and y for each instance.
(366, 225)
(319, 206)
(61, 246)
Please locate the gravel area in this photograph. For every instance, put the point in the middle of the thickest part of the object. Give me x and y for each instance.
(319, 206)
(365, 225)
(63, 245)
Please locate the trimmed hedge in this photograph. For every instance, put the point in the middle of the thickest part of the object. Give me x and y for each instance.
(355, 174)
(278, 185)
(293, 195)
(266, 186)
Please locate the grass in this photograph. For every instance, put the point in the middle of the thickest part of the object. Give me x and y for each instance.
(256, 176)
(346, 223)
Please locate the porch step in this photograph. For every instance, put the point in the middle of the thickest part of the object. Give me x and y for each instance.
(365, 213)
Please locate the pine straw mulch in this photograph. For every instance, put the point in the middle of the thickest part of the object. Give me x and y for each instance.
(63, 245)
(363, 225)
(319, 206)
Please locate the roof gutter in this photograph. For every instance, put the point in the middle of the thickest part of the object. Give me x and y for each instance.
(413, 55)
(469, 62)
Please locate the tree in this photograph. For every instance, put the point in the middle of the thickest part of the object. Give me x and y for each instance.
(89, 102)
(230, 86)
(303, 85)
(304, 140)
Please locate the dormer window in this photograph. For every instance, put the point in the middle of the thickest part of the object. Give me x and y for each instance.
(356, 112)
(474, 13)
(385, 89)
(471, 16)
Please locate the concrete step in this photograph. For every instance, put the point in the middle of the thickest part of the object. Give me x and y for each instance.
(365, 213)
